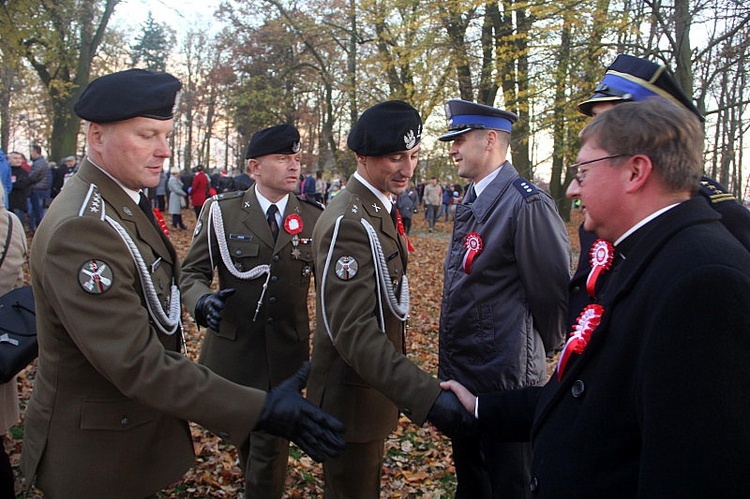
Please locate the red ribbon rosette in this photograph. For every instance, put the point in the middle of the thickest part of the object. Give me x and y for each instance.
(587, 321)
(474, 246)
(402, 231)
(602, 253)
(293, 224)
(160, 220)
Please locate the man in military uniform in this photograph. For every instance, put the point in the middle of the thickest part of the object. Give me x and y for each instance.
(360, 373)
(112, 394)
(504, 292)
(627, 79)
(258, 325)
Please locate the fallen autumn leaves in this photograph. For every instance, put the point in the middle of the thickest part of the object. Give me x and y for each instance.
(417, 459)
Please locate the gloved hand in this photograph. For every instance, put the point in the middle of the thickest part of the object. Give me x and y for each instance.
(287, 414)
(451, 418)
(209, 307)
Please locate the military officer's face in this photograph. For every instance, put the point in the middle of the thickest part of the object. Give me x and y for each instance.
(132, 151)
(389, 174)
(276, 174)
(472, 153)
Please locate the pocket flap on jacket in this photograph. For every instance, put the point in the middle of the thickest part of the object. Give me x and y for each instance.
(114, 415)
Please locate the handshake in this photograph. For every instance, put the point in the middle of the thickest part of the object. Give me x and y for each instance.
(289, 415)
(453, 411)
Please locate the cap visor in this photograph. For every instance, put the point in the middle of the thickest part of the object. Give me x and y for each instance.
(453, 134)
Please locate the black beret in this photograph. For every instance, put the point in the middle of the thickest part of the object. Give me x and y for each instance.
(279, 139)
(631, 78)
(388, 127)
(128, 94)
(465, 116)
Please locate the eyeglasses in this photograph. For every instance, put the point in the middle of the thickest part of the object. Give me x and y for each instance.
(576, 167)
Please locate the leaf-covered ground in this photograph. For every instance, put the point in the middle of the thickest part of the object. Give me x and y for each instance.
(418, 460)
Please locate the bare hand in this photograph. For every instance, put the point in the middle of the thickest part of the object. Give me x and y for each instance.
(467, 399)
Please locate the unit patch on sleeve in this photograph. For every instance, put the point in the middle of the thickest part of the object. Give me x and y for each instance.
(95, 277)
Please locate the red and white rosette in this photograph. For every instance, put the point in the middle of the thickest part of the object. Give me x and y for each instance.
(602, 253)
(474, 246)
(293, 224)
(587, 322)
(402, 231)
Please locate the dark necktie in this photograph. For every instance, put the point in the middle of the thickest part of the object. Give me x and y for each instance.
(471, 195)
(271, 218)
(145, 205)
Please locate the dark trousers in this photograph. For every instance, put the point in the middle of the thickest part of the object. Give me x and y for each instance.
(264, 457)
(432, 214)
(487, 468)
(7, 481)
(355, 473)
(177, 222)
(407, 224)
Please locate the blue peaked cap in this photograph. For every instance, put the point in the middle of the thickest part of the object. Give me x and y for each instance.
(631, 78)
(465, 116)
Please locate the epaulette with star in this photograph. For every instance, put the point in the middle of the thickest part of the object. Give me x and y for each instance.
(714, 191)
(526, 188)
(310, 201)
(228, 195)
(93, 205)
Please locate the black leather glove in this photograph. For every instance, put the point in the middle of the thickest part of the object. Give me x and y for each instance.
(451, 418)
(209, 307)
(287, 414)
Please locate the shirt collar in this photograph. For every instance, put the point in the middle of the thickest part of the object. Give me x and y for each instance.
(387, 202)
(482, 184)
(265, 203)
(644, 222)
(134, 195)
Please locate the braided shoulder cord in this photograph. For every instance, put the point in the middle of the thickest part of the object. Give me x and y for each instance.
(399, 307)
(167, 324)
(325, 275)
(217, 221)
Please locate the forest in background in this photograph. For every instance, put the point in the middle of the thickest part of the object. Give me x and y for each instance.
(318, 65)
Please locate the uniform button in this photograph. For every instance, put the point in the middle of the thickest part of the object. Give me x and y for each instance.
(578, 388)
(274, 278)
(269, 320)
(533, 484)
(576, 289)
(272, 299)
(238, 252)
(124, 421)
(275, 258)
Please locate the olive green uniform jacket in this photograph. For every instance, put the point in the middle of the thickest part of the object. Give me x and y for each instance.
(359, 371)
(262, 352)
(112, 393)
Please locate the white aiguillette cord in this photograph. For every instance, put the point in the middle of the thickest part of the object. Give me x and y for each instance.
(216, 221)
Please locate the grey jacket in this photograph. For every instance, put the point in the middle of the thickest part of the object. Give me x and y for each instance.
(498, 322)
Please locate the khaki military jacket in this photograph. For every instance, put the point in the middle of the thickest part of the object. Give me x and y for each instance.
(263, 349)
(112, 394)
(359, 371)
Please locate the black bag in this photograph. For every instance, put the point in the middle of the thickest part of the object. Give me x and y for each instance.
(18, 344)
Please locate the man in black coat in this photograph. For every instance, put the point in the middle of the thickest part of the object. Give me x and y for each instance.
(649, 398)
(627, 79)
